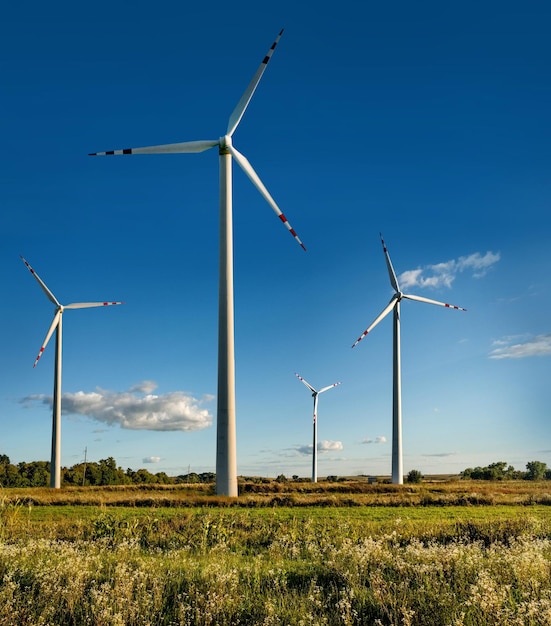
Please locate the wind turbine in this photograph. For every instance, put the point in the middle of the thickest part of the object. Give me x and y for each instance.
(315, 395)
(226, 463)
(394, 305)
(55, 467)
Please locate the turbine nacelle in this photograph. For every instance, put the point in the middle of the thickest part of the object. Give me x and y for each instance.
(225, 144)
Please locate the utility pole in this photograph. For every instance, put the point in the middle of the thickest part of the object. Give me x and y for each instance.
(84, 472)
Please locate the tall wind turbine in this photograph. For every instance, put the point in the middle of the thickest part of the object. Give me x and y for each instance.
(55, 467)
(315, 395)
(394, 305)
(226, 462)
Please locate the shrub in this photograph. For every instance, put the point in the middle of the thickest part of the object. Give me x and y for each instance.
(414, 476)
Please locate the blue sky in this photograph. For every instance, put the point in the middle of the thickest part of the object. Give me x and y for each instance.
(427, 122)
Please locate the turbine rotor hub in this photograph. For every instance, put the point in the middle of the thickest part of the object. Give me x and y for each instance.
(224, 144)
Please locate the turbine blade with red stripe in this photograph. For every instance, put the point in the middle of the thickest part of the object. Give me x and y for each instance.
(50, 332)
(306, 383)
(429, 301)
(42, 284)
(328, 387)
(248, 169)
(383, 314)
(243, 103)
(87, 305)
(391, 272)
(186, 147)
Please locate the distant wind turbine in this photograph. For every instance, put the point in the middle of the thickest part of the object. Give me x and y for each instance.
(315, 395)
(394, 305)
(55, 468)
(226, 462)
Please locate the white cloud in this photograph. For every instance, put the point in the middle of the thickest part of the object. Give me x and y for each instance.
(323, 446)
(519, 347)
(376, 440)
(137, 408)
(146, 386)
(443, 274)
(329, 446)
(151, 459)
(440, 454)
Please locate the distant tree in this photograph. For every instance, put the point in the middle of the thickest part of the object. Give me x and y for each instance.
(414, 476)
(192, 477)
(34, 474)
(111, 474)
(163, 478)
(207, 477)
(281, 478)
(9, 476)
(536, 470)
(75, 475)
(142, 476)
(4, 459)
(93, 474)
(494, 471)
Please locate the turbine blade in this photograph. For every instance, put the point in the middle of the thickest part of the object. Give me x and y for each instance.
(48, 293)
(391, 272)
(383, 314)
(328, 387)
(248, 169)
(429, 301)
(87, 305)
(53, 326)
(169, 148)
(243, 103)
(306, 383)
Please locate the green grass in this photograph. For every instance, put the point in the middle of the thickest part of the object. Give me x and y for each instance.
(105, 564)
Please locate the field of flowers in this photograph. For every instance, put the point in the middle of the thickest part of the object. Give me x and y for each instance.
(284, 565)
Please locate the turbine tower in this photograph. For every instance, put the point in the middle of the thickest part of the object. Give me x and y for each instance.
(315, 395)
(226, 462)
(394, 305)
(55, 467)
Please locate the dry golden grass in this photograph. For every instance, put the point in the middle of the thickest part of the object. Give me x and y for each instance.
(346, 493)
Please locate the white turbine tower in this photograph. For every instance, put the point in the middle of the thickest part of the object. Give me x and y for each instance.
(315, 395)
(394, 305)
(226, 462)
(55, 467)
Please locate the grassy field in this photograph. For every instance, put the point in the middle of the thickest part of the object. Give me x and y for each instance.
(442, 553)
(345, 493)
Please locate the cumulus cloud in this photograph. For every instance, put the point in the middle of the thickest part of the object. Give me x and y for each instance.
(136, 409)
(329, 446)
(519, 347)
(151, 459)
(146, 386)
(323, 446)
(376, 440)
(443, 274)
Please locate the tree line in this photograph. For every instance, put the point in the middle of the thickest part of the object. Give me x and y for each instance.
(535, 470)
(107, 472)
(103, 472)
